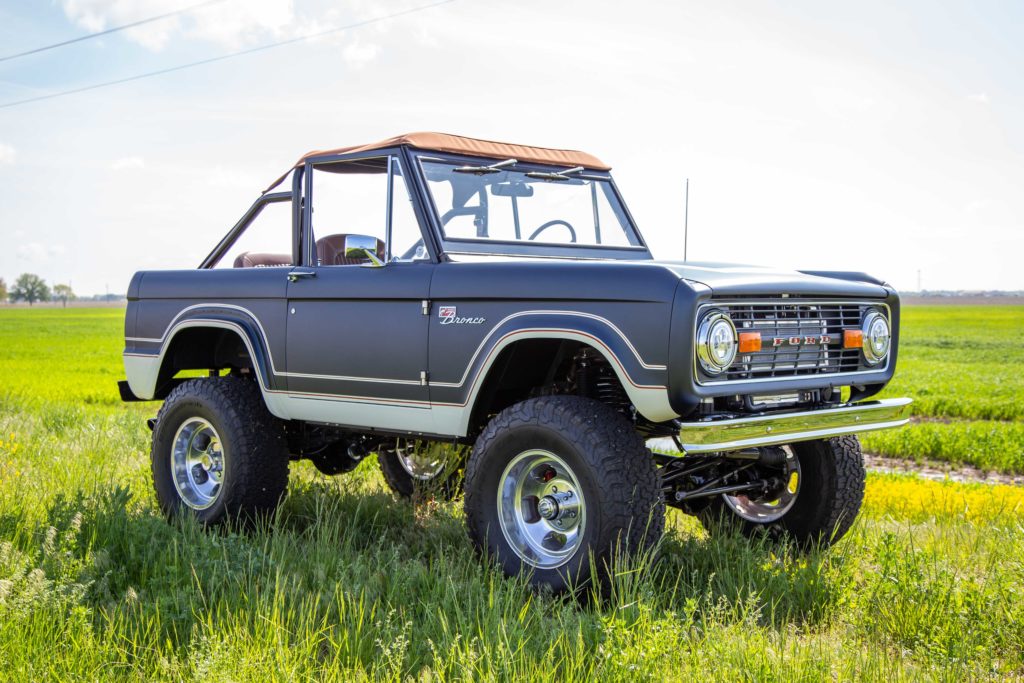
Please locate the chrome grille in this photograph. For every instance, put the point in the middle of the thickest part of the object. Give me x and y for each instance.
(816, 327)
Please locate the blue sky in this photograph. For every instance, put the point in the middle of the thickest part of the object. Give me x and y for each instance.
(860, 136)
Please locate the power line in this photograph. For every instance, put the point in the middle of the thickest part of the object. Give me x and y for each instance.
(240, 53)
(115, 29)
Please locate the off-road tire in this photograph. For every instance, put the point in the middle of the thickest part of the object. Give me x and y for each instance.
(445, 486)
(255, 448)
(620, 485)
(831, 491)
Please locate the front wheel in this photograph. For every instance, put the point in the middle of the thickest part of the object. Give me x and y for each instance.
(820, 493)
(557, 481)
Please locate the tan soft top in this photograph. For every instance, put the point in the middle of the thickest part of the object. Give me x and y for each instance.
(456, 144)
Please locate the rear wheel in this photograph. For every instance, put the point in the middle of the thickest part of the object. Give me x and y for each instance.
(556, 481)
(217, 452)
(820, 493)
(423, 469)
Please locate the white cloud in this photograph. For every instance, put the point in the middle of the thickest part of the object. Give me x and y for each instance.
(229, 23)
(37, 252)
(220, 176)
(980, 98)
(233, 24)
(154, 36)
(125, 163)
(8, 155)
(91, 16)
(358, 54)
(978, 206)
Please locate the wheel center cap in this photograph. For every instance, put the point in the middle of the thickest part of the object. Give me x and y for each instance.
(199, 474)
(547, 507)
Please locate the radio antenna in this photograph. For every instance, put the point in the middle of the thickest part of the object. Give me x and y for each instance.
(686, 218)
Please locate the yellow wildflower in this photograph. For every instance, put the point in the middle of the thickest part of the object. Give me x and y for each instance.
(917, 499)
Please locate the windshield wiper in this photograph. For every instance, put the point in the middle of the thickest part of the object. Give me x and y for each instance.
(482, 170)
(554, 175)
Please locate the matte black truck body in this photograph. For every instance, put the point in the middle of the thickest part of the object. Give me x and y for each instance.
(350, 346)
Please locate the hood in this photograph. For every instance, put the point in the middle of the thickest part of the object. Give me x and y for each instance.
(731, 279)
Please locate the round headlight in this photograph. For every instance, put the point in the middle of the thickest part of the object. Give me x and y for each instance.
(716, 343)
(876, 338)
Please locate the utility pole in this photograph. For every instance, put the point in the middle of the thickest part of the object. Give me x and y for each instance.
(686, 219)
(919, 280)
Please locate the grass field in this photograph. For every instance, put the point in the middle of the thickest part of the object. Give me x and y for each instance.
(348, 584)
(964, 368)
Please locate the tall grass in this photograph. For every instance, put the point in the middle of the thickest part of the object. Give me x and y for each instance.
(348, 584)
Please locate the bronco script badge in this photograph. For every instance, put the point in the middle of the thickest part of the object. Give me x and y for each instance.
(448, 317)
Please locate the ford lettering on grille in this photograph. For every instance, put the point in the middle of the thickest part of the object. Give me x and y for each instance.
(802, 341)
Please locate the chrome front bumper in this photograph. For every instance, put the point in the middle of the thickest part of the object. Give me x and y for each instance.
(734, 434)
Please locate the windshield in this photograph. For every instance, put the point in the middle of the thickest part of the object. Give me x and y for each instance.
(503, 203)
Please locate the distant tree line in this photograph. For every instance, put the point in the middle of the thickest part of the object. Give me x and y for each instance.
(31, 288)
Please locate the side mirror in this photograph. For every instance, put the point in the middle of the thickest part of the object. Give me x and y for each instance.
(362, 247)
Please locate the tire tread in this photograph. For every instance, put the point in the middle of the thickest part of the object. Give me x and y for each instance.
(617, 455)
(259, 466)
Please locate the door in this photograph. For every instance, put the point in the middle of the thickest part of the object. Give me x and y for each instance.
(357, 330)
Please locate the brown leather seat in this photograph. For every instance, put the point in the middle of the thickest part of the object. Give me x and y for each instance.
(249, 259)
(330, 251)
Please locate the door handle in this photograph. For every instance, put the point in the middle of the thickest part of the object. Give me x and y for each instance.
(296, 275)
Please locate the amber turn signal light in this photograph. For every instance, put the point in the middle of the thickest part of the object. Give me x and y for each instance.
(750, 342)
(853, 339)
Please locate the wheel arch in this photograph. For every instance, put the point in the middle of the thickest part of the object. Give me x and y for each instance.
(521, 355)
(207, 343)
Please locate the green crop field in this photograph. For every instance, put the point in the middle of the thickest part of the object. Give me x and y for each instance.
(964, 368)
(349, 584)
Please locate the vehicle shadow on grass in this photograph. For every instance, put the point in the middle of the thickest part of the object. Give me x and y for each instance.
(344, 555)
(770, 582)
(328, 550)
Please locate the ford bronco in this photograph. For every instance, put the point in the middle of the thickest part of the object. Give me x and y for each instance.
(487, 318)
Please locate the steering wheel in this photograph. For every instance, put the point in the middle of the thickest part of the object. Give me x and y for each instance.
(551, 224)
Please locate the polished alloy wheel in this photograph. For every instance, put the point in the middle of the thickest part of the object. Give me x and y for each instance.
(764, 509)
(197, 463)
(541, 509)
(423, 461)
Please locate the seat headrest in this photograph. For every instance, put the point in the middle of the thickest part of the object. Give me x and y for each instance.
(249, 259)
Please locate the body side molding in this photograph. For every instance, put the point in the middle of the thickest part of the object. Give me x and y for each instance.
(644, 382)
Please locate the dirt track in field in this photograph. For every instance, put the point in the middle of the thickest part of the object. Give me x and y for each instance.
(937, 471)
(940, 471)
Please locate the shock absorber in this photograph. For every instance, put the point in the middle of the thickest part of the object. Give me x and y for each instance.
(596, 379)
(583, 372)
